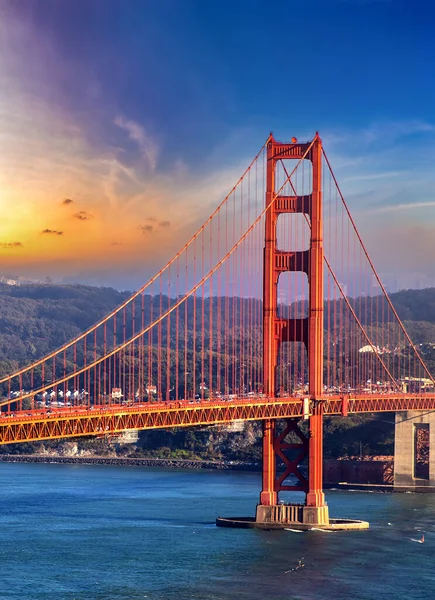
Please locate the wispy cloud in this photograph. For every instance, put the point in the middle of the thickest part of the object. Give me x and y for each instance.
(381, 157)
(388, 186)
(53, 160)
(374, 176)
(137, 133)
(11, 245)
(83, 216)
(392, 208)
(153, 225)
(146, 229)
(385, 138)
(52, 232)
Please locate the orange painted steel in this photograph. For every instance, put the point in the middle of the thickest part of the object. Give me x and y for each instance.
(268, 494)
(315, 496)
(291, 465)
(28, 427)
(310, 330)
(276, 262)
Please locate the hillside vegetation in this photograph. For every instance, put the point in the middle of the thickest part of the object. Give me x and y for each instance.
(35, 319)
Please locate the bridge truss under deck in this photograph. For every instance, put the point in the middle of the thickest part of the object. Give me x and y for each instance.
(117, 419)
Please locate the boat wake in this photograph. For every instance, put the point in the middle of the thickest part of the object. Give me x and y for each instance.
(300, 565)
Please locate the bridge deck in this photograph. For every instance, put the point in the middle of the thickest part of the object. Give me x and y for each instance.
(73, 422)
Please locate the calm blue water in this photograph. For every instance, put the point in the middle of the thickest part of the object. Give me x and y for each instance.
(109, 533)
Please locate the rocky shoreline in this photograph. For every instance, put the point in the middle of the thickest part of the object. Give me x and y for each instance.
(216, 465)
(131, 462)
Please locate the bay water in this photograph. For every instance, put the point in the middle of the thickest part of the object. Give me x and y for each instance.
(78, 532)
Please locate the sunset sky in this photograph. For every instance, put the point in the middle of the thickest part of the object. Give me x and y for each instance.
(124, 122)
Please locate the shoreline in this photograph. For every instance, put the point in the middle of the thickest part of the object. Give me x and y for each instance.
(212, 465)
(175, 463)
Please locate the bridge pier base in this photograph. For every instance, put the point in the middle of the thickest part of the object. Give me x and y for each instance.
(293, 514)
(276, 518)
(292, 446)
(414, 462)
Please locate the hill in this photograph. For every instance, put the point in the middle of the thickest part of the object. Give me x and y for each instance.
(35, 319)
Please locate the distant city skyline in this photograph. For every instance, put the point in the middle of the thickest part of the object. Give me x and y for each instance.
(393, 282)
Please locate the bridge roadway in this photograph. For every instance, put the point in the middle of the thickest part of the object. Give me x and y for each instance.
(27, 426)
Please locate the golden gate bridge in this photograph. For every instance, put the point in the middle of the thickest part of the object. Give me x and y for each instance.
(272, 310)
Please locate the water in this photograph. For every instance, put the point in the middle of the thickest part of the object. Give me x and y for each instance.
(75, 532)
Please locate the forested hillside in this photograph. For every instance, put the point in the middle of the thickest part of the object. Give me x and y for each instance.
(35, 319)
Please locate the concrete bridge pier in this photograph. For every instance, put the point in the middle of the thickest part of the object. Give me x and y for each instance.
(414, 462)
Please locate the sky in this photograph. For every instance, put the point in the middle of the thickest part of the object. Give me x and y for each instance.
(124, 123)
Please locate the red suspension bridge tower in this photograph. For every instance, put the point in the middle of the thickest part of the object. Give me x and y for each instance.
(307, 330)
(290, 446)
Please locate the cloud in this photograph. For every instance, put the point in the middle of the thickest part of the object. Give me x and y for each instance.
(83, 216)
(137, 133)
(375, 165)
(11, 245)
(52, 232)
(389, 190)
(152, 225)
(146, 229)
(47, 153)
(374, 176)
(51, 155)
(404, 206)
